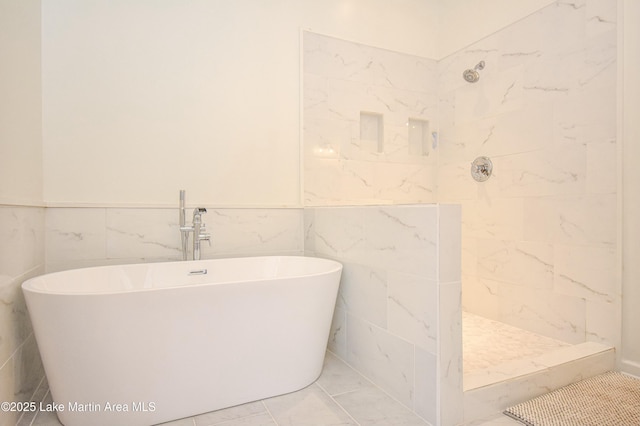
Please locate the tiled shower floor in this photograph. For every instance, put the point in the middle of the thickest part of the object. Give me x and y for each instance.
(487, 343)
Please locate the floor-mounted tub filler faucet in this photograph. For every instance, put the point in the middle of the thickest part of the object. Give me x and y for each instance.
(197, 227)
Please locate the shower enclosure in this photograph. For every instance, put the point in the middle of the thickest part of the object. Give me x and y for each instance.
(538, 237)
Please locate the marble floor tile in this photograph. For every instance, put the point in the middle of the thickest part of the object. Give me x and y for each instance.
(373, 407)
(340, 396)
(310, 406)
(228, 414)
(338, 378)
(487, 343)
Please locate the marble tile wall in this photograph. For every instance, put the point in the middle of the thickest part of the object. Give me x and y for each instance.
(539, 237)
(398, 316)
(21, 257)
(346, 87)
(80, 237)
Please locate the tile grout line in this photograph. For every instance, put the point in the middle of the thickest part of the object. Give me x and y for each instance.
(39, 412)
(269, 412)
(337, 403)
(375, 385)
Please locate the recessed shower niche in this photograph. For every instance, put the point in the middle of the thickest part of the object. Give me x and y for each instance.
(371, 131)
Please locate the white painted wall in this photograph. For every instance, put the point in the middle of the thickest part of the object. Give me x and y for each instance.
(20, 131)
(143, 98)
(631, 188)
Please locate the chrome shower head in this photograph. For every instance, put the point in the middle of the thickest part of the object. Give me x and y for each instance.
(472, 75)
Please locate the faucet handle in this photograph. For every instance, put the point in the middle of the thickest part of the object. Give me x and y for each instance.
(204, 236)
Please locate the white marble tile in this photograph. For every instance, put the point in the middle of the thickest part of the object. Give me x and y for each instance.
(449, 243)
(413, 309)
(15, 324)
(189, 421)
(309, 218)
(560, 368)
(426, 387)
(339, 182)
(338, 378)
(468, 252)
(382, 357)
(371, 407)
(586, 272)
(542, 311)
(519, 131)
(494, 218)
(347, 60)
(404, 239)
(309, 406)
(315, 105)
(363, 292)
(450, 372)
(401, 241)
(235, 414)
(95, 236)
(329, 139)
(601, 160)
(601, 17)
(338, 334)
(143, 233)
(21, 240)
(603, 322)
(48, 418)
(405, 183)
(7, 375)
(546, 172)
(455, 183)
(339, 232)
(343, 79)
(529, 264)
(487, 343)
(28, 370)
(583, 219)
(75, 234)
(480, 295)
(254, 231)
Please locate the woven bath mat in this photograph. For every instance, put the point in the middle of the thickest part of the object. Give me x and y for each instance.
(610, 399)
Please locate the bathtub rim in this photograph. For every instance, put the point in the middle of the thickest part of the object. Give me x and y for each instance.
(31, 285)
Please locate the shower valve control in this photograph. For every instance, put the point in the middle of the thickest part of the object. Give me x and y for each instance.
(481, 169)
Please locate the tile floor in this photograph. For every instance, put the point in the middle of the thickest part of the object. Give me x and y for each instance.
(341, 396)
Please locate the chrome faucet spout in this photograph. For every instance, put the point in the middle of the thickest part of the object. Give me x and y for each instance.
(197, 228)
(199, 233)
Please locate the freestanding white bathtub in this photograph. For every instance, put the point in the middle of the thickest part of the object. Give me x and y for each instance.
(148, 343)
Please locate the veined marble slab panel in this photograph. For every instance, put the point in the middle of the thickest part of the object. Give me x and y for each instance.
(382, 357)
(76, 234)
(21, 240)
(524, 263)
(143, 233)
(413, 309)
